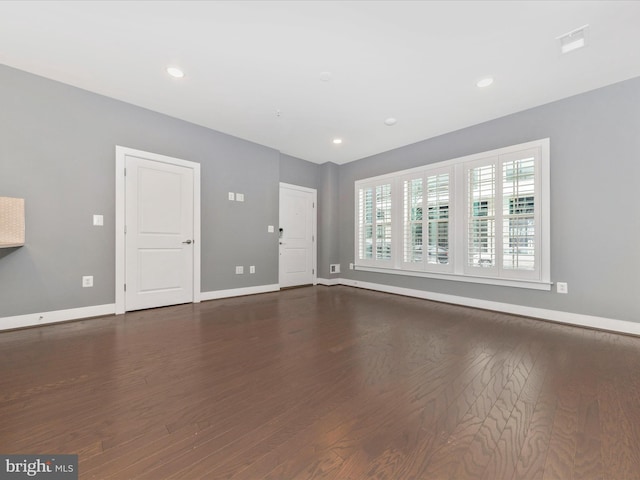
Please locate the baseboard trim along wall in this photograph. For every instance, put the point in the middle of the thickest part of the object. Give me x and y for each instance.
(44, 318)
(238, 292)
(600, 323)
(55, 316)
(577, 319)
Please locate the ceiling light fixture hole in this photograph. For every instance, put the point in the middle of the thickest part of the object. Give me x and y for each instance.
(484, 82)
(175, 72)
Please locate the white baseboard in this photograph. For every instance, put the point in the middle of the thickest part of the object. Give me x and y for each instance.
(238, 292)
(581, 320)
(44, 318)
(55, 316)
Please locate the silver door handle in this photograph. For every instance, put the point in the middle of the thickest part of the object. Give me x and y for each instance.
(188, 242)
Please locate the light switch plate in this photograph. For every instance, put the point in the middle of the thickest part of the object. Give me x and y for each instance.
(270, 229)
(98, 220)
(239, 197)
(232, 196)
(87, 281)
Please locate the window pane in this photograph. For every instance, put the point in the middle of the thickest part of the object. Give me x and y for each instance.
(383, 203)
(416, 245)
(519, 243)
(365, 214)
(383, 222)
(481, 235)
(368, 206)
(518, 207)
(438, 218)
(368, 242)
(413, 220)
(518, 186)
(482, 243)
(438, 243)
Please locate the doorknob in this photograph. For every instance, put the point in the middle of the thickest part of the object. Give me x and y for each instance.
(188, 242)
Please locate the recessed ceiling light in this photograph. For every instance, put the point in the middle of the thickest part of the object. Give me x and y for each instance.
(573, 40)
(337, 141)
(485, 82)
(390, 122)
(175, 72)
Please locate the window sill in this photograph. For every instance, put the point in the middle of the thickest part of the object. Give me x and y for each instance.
(530, 284)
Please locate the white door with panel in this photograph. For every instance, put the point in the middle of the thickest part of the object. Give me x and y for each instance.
(159, 233)
(297, 236)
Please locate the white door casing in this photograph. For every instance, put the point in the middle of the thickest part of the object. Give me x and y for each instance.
(297, 249)
(157, 230)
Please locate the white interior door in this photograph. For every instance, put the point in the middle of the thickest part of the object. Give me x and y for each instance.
(159, 233)
(297, 236)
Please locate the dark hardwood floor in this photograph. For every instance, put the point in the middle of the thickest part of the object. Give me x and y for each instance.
(324, 382)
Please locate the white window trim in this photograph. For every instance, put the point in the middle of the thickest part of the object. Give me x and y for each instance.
(457, 227)
(390, 263)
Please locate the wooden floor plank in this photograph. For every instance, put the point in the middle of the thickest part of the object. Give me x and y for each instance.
(533, 453)
(619, 452)
(505, 456)
(476, 458)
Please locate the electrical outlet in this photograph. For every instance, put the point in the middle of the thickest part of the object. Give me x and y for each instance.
(351, 266)
(252, 269)
(87, 281)
(562, 287)
(239, 270)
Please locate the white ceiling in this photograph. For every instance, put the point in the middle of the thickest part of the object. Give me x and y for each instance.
(417, 61)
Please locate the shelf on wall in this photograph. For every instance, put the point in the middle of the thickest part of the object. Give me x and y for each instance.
(11, 222)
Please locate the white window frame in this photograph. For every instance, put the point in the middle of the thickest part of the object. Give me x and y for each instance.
(424, 266)
(457, 269)
(373, 262)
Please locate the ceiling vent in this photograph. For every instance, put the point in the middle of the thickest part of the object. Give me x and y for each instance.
(573, 40)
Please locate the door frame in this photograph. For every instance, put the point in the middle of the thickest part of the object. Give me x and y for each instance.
(120, 218)
(314, 228)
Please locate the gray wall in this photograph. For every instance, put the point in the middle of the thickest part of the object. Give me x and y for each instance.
(595, 226)
(328, 226)
(57, 150)
(296, 171)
